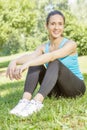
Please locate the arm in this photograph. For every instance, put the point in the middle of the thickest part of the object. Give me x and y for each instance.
(21, 60)
(68, 49)
(27, 57)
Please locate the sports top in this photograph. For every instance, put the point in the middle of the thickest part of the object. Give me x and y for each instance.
(70, 61)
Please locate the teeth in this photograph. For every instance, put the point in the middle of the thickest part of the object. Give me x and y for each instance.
(56, 32)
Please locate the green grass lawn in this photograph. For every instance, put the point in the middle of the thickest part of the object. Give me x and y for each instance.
(57, 114)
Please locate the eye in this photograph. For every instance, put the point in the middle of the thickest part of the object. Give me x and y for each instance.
(53, 23)
(60, 23)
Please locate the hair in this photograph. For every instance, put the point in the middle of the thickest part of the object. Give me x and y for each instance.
(54, 13)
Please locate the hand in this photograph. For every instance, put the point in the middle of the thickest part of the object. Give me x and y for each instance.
(23, 67)
(17, 75)
(11, 69)
(18, 72)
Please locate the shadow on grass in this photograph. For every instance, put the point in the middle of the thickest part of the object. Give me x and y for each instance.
(18, 84)
(8, 101)
(15, 90)
(11, 98)
(11, 85)
(85, 75)
(12, 91)
(85, 78)
(4, 64)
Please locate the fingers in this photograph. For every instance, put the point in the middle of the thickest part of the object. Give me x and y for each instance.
(11, 69)
(10, 72)
(13, 73)
(17, 74)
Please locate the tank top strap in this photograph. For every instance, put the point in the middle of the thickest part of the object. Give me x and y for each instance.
(60, 46)
(47, 47)
(63, 42)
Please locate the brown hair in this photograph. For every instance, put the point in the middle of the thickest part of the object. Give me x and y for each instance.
(54, 13)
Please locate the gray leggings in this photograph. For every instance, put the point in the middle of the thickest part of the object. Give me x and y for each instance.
(56, 80)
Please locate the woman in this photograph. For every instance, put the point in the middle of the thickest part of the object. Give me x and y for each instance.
(54, 65)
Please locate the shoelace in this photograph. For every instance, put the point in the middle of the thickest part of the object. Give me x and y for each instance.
(27, 107)
(30, 104)
(20, 102)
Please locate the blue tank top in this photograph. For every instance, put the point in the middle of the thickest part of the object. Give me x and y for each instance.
(70, 61)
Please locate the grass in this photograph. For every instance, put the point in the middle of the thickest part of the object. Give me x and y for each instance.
(61, 114)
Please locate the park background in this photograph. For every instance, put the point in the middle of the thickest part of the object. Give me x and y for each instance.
(22, 29)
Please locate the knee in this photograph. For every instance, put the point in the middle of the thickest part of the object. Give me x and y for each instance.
(55, 62)
(34, 69)
(54, 66)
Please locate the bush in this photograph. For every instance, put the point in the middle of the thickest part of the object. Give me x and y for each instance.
(22, 27)
(17, 18)
(77, 32)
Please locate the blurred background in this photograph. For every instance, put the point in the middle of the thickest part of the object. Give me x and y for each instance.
(22, 23)
(22, 29)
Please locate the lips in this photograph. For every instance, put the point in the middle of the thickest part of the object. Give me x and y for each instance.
(56, 32)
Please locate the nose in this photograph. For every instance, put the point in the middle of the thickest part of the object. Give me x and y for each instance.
(56, 26)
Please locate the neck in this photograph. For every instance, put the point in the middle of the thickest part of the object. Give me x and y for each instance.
(56, 41)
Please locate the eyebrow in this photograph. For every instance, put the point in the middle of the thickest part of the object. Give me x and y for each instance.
(55, 22)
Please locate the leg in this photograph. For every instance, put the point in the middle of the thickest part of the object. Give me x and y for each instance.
(68, 84)
(34, 75)
(50, 79)
(58, 78)
(55, 92)
(48, 84)
(30, 85)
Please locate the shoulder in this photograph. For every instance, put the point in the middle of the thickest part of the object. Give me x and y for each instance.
(71, 42)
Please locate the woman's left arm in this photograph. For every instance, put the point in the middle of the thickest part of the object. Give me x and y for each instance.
(67, 49)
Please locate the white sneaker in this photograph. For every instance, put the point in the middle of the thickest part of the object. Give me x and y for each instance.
(19, 107)
(32, 107)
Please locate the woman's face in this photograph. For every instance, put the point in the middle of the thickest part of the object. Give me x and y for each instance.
(55, 26)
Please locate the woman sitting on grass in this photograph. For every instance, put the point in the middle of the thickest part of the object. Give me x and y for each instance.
(53, 65)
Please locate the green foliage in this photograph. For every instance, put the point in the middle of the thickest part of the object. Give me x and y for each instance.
(17, 19)
(79, 9)
(22, 25)
(76, 31)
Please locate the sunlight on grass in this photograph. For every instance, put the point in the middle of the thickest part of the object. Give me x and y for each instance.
(4, 93)
(57, 114)
(83, 64)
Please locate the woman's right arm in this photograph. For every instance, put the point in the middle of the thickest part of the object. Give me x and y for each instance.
(21, 60)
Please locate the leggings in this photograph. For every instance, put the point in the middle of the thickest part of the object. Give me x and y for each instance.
(56, 80)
